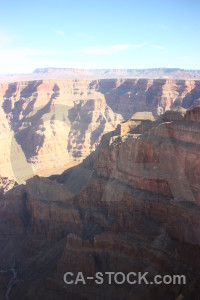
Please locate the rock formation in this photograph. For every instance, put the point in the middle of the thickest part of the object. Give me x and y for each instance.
(6, 184)
(132, 205)
(49, 125)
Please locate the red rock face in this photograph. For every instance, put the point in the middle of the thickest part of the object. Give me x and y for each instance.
(53, 124)
(193, 115)
(49, 125)
(160, 153)
(132, 205)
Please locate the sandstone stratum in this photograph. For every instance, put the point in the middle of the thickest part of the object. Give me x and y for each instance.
(47, 126)
(131, 205)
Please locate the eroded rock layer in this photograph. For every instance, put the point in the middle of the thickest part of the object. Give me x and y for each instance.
(49, 125)
(132, 206)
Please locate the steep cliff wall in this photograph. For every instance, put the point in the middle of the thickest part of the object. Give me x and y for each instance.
(49, 125)
(132, 205)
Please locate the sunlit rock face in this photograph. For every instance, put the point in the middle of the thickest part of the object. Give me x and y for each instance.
(47, 126)
(132, 206)
(50, 125)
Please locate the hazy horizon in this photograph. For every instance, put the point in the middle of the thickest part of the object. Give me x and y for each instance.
(94, 69)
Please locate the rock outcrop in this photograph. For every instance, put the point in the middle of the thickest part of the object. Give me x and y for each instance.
(49, 125)
(6, 184)
(132, 206)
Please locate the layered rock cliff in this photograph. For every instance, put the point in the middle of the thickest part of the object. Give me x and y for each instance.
(132, 206)
(49, 125)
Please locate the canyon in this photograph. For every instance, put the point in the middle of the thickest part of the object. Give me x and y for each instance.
(50, 125)
(132, 205)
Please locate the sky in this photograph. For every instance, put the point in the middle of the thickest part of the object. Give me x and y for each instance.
(99, 34)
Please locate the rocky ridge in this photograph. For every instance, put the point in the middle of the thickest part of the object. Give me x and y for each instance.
(132, 205)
